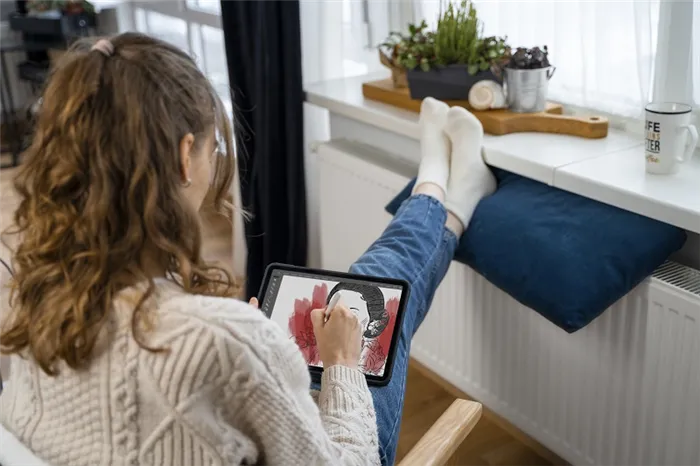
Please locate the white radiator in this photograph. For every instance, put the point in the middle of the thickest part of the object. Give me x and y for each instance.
(623, 391)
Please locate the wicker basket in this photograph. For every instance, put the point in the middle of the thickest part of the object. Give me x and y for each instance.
(398, 73)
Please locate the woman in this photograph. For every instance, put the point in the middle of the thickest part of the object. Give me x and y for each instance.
(126, 346)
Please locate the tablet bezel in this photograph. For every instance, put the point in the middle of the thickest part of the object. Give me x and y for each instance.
(316, 372)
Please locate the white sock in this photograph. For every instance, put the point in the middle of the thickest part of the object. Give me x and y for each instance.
(470, 178)
(434, 144)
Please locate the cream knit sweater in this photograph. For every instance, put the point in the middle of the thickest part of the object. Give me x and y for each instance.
(230, 390)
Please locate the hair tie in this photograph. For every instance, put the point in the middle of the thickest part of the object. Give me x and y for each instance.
(104, 46)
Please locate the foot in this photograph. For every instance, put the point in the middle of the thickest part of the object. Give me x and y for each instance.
(470, 179)
(435, 146)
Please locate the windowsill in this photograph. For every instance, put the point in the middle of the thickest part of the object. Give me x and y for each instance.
(609, 170)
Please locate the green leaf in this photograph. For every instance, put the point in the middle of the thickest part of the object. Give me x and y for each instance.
(416, 47)
(473, 69)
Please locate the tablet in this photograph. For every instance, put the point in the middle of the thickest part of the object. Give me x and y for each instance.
(289, 294)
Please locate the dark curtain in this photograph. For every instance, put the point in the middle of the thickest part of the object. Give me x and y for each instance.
(263, 51)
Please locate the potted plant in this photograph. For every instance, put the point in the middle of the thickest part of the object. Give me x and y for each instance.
(527, 78)
(408, 51)
(56, 7)
(77, 7)
(462, 57)
(40, 7)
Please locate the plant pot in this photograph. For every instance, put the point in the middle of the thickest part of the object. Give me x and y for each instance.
(445, 83)
(398, 73)
(526, 90)
(69, 26)
(398, 77)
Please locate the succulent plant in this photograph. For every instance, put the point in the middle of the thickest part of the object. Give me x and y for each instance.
(78, 6)
(529, 59)
(492, 53)
(67, 6)
(415, 49)
(39, 6)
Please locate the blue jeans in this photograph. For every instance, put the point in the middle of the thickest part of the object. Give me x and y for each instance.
(415, 247)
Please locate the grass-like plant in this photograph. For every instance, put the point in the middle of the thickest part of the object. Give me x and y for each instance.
(457, 34)
(458, 40)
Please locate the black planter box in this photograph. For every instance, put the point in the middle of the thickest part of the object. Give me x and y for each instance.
(67, 26)
(451, 82)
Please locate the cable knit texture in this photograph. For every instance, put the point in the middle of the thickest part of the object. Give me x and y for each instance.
(230, 389)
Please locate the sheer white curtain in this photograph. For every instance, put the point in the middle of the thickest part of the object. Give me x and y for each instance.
(612, 56)
(603, 51)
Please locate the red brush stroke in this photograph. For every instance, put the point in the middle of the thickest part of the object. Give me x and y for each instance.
(376, 351)
(300, 327)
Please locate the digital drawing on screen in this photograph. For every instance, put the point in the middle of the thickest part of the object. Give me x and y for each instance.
(376, 308)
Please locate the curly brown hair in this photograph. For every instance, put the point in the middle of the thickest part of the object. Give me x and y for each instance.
(101, 187)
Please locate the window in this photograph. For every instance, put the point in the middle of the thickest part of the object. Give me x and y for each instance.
(167, 28)
(209, 6)
(340, 37)
(605, 52)
(213, 57)
(612, 56)
(192, 25)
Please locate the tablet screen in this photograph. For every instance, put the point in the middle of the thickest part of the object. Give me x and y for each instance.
(291, 296)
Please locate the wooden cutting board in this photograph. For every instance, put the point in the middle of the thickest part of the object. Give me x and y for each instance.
(499, 122)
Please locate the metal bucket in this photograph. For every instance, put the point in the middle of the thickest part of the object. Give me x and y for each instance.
(526, 90)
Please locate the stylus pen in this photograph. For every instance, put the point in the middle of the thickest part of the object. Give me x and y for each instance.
(331, 304)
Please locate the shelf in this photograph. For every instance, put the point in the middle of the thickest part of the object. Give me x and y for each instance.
(609, 170)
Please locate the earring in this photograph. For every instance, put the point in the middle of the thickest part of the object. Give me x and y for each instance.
(187, 183)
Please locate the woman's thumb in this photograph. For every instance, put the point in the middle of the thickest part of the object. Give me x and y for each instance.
(317, 318)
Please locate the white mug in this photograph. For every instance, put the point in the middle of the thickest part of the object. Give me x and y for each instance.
(670, 138)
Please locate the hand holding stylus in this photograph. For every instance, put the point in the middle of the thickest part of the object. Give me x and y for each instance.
(335, 299)
(338, 334)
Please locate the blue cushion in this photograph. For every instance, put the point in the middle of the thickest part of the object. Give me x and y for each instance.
(565, 256)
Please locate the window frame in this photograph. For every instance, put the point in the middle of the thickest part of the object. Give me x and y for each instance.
(177, 9)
